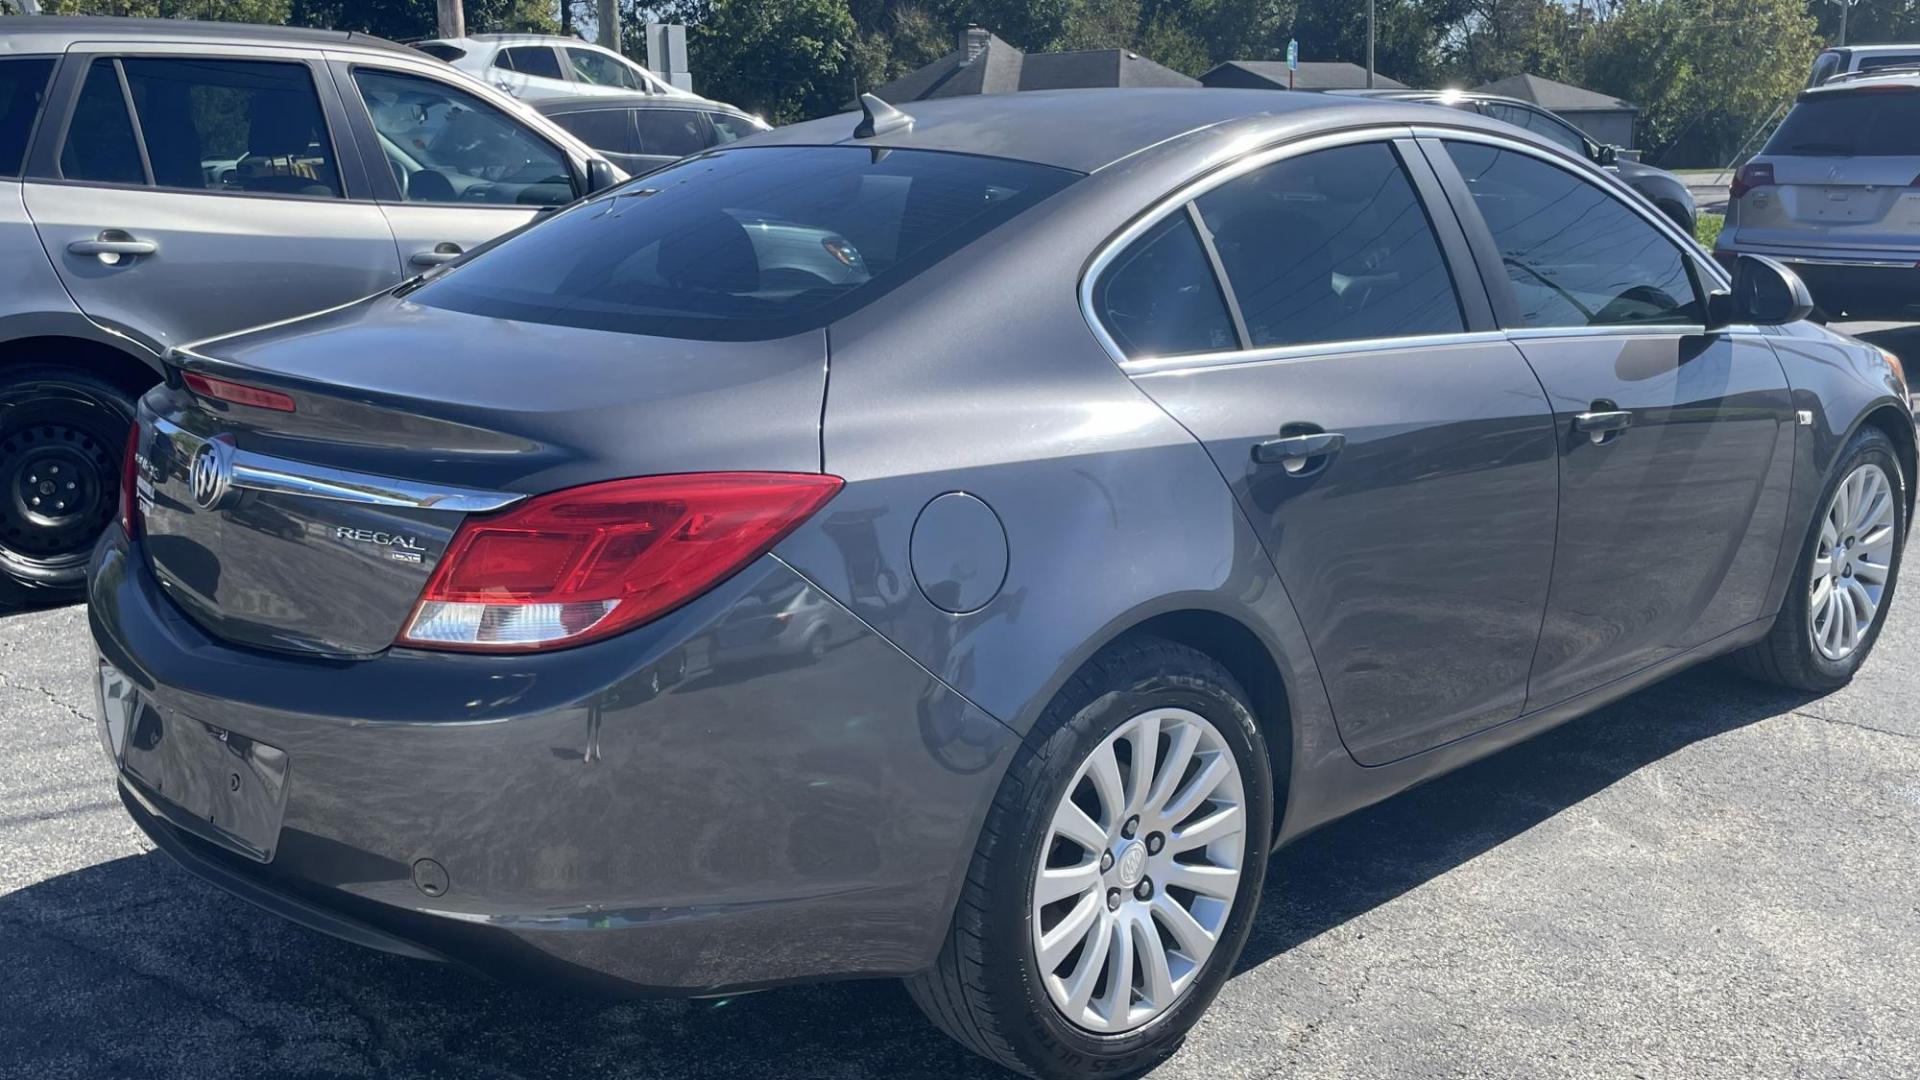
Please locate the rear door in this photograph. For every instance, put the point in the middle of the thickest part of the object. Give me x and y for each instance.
(1844, 164)
(449, 169)
(1395, 454)
(1675, 444)
(186, 192)
(669, 134)
(528, 70)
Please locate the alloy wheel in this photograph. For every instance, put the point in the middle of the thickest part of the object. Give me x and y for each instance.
(1852, 561)
(1139, 871)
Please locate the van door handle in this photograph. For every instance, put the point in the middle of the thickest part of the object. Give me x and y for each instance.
(112, 245)
(1295, 452)
(444, 252)
(1603, 425)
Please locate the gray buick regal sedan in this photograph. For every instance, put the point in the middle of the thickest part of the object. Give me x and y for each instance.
(961, 546)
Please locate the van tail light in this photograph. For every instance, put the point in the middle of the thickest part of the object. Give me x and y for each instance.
(130, 484)
(1751, 175)
(237, 393)
(576, 565)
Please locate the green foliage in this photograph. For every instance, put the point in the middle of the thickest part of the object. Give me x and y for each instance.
(252, 11)
(786, 60)
(1706, 228)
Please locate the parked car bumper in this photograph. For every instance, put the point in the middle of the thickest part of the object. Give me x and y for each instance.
(644, 813)
(1863, 284)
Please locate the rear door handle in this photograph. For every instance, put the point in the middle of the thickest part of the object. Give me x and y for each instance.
(444, 252)
(1602, 425)
(112, 245)
(1295, 452)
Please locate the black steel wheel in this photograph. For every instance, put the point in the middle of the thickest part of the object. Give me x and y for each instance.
(62, 436)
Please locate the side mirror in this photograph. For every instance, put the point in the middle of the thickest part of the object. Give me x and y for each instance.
(1766, 293)
(1608, 155)
(601, 175)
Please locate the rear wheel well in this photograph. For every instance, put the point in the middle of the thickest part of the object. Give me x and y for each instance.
(120, 368)
(1236, 648)
(1899, 430)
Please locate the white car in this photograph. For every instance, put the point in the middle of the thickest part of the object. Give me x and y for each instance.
(1846, 59)
(540, 65)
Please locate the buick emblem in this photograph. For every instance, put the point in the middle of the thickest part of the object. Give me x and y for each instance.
(211, 474)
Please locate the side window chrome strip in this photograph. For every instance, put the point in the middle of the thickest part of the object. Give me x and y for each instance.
(1160, 365)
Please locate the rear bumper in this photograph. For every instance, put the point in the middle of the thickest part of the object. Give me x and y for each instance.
(1864, 284)
(644, 814)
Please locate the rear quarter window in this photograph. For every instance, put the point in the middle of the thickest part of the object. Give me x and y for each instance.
(746, 244)
(23, 85)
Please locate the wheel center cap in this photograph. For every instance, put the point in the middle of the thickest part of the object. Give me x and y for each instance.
(1131, 866)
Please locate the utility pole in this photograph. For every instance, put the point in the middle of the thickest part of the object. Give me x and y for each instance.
(1370, 44)
(610, 24)
(453, 18)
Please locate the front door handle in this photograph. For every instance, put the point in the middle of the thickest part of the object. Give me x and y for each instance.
(444, 252)
(1295, 453)
(113, 245)
(1602, 425)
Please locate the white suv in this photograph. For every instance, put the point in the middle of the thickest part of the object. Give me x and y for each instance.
(1835, 194)
(538, 65)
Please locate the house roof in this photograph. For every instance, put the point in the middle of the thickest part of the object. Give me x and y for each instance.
(1555, 96)
(999, 68)
(1312, 75)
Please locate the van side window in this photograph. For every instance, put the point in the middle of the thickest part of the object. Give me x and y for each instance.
(23, 85)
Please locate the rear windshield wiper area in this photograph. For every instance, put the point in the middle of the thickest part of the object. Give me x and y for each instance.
(1840, 149)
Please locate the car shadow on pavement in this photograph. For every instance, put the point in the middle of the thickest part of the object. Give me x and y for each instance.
(131, 967)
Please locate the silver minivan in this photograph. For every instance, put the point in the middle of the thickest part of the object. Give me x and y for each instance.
(162, 181)
(1835, 194)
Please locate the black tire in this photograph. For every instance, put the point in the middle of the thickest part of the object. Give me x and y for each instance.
(984, 990)
(58, 427)
(1787, 656)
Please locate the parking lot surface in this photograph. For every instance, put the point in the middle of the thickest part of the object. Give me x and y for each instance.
(1711, 878)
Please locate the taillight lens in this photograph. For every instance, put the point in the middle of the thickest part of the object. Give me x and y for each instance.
(130, 484)
(576, 565)
(1751, 175)
(237, 393)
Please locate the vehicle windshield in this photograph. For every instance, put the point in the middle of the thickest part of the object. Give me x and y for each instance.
(746, 244)
(1877, 122)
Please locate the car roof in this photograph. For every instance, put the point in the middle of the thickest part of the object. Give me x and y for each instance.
(1085, 130)
(1864, 80)
(53, 33)
(552, 104)
(1443, 96)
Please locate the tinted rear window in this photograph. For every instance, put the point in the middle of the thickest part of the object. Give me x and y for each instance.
(754, 243)
(1855, 123)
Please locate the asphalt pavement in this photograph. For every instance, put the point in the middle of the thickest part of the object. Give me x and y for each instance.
(1711, 878)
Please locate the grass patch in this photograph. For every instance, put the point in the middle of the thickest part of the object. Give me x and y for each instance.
(1706, 228)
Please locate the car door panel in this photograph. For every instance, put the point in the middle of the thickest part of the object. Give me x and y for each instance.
(172, 264)
(1674, 443)
(1668, 529)
(1418, 556)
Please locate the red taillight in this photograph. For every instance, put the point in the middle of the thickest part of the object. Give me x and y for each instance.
(583, 563)
(130, 484)
(237, 393)
(1751, 175)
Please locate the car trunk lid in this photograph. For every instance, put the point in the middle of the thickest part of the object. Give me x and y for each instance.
(315, 530)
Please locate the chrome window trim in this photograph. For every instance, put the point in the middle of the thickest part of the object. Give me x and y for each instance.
(1592, 174)
(1179, 197)
(264, 473)
(1193, 189)
(1161, 365)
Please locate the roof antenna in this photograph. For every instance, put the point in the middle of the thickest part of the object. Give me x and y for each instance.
(879, 118)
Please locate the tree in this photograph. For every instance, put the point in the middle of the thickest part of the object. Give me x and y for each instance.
(787, 60)
(1492, 39)
(1705, 73)
(251, 11)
